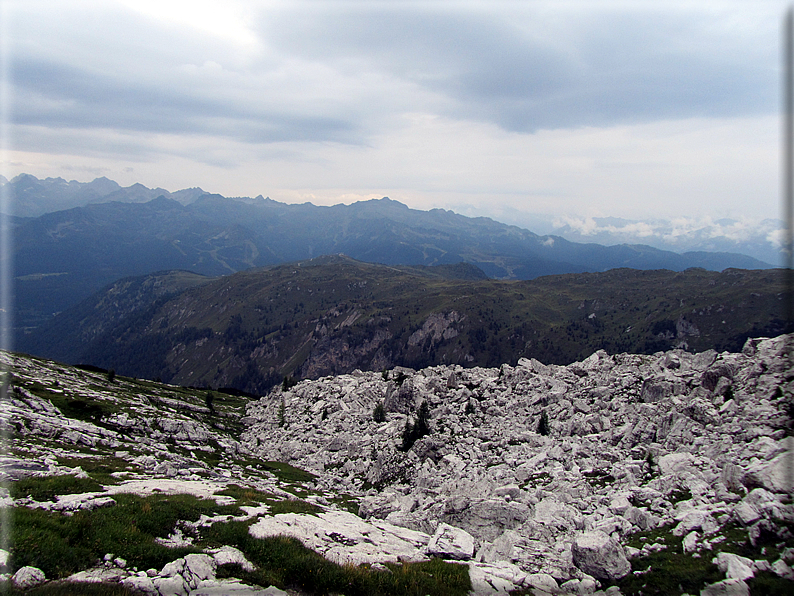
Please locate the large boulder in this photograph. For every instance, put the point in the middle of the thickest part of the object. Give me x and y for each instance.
(27, 577)
(675, 462)
(774, 476)
(450, 542)
(486, 519)
(599, 555)
(734, 566)
(727, 587)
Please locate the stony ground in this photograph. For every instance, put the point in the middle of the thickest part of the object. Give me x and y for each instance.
(620, 474)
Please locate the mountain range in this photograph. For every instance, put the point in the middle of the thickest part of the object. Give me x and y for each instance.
(62, 257)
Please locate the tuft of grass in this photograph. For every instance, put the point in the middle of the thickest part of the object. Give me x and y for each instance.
(251, 496)
(99, 468)
(293, 506)
(48, 487)
(245, 495)
(287, 473)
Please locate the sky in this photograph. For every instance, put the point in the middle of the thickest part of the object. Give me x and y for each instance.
(638, 110)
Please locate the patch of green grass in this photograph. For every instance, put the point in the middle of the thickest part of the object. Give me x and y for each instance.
(285, 562)
(60, 545)
(673, 572)
(48, 487)
(251, 496)
(84, 408)
(287, 473)
(245, 495)
(766, 583)
(63, 588)
(99, 468)
(293, 506)
(346, 502)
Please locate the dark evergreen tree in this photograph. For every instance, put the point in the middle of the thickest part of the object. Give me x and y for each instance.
(543, 425)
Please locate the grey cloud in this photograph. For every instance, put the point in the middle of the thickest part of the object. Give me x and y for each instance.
(60, 95)
(603, 69)
(337, 72)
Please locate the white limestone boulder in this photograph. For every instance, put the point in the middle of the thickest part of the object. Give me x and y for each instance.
(198, 567)
(599, 555)
(229, 554)
(450, 542)
(171, 586)
(141, 584)
(673, 463)
(775, 475)
(727, 587)
(734, 566)
(542, 584)
(233, 587)
(27, 577)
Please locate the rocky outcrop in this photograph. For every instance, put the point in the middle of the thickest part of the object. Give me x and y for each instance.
(693, 445)
(627, 434)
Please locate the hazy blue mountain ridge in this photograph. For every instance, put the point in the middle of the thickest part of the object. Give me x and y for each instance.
(63, 257)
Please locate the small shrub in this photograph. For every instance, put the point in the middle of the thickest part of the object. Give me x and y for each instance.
(379, 413)
(650, 462)
(409, 437)
(111, 375)
(208, 401)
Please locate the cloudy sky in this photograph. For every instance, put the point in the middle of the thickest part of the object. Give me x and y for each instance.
(632, 109)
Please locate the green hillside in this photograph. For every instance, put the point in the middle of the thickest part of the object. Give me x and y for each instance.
(334, 314)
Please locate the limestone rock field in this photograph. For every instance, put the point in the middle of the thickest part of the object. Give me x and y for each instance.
(620, 474)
